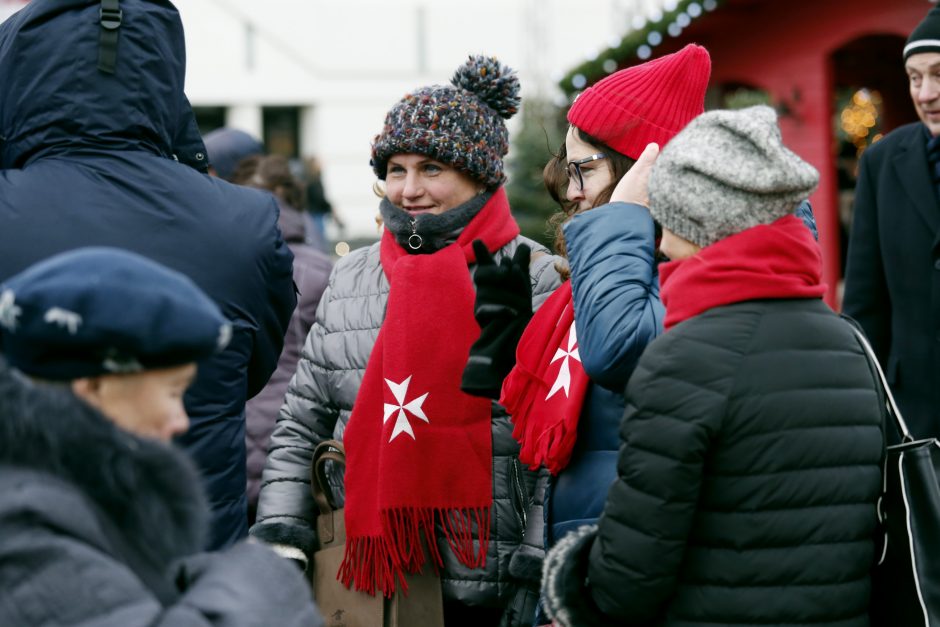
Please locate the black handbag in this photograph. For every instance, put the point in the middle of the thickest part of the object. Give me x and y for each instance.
(906, 577)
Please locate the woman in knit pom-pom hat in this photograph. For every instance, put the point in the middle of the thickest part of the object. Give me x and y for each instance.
(751, 445)
(382, 365)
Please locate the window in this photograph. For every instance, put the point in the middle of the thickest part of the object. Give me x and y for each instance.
(209, 118)
(282, 131)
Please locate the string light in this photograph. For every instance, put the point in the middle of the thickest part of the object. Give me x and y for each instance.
(860, 116)
(598, 61)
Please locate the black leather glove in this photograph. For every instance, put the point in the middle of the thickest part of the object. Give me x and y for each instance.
(503, 308)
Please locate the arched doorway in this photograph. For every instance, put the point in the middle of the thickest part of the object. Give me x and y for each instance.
(869, 99)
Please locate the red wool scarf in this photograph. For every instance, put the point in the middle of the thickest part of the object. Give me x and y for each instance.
(544, 392)
(418, 450)
(778, 260)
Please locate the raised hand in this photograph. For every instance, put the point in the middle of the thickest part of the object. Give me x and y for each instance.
(502, 308)
(634, 186)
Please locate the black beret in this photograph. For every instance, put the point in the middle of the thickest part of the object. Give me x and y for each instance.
(94, 311)
(925, 36)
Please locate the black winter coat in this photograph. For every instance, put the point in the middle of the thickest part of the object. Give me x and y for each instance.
(98, 527)
(89, 159)
(892, 281)
(747, 481)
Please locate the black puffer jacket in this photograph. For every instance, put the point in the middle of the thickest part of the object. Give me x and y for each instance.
(747, 479)
(99, 527)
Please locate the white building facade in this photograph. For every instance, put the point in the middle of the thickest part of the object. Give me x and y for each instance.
(312, 77)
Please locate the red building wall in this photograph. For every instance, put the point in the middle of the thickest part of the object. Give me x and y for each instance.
(785, 48)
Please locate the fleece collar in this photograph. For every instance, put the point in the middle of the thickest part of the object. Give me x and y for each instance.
(147, 489)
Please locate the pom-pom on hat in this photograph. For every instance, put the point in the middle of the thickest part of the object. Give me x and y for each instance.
(645, 103)
(726, 172)
(926, 35)
(461, 124)
(96, 311)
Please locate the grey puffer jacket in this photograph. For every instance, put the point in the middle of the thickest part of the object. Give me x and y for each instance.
(319, 402)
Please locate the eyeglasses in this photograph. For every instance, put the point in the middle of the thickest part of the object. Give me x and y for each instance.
(574, 168)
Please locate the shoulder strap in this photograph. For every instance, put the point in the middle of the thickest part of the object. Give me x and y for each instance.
(891, 405)
(110, 17)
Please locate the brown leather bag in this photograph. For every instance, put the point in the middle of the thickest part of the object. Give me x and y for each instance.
(341, 607)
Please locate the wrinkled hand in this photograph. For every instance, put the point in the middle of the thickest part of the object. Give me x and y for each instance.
(502, 308)
(634, 186)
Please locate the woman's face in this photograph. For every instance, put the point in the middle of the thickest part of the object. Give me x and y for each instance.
(597, 175)
(148, 404)
(419, 184)
(676, 247)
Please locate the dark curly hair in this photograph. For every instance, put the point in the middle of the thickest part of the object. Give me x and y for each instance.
(555, 177)
(271, 172)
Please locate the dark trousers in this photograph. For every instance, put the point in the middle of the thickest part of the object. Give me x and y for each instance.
(460, 615)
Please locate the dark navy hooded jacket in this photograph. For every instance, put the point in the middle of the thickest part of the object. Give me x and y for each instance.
(95, 159)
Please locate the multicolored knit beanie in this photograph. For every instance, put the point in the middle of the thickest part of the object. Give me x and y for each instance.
(461, 124)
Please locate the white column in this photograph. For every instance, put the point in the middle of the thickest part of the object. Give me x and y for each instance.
(310, 143)
(245, 118)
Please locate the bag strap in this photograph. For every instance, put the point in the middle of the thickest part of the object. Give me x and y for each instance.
(328, 450)
(110, 17)
(892, 406)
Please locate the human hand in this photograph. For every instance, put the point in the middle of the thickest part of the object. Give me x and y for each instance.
(502, 308)
(634, 186)
(504, 287)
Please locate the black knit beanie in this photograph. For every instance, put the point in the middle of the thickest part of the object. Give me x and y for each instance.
(926, 36)
(461, 124)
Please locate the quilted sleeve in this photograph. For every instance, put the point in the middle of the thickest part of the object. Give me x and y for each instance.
(306, 418)
(615, 288)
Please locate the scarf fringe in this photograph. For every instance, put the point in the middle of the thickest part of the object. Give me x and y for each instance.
(554, 446)
(410, 530)
(371, 563)
(518, 402)
(458, 528)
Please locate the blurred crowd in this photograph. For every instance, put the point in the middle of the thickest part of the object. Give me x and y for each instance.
(658, 422)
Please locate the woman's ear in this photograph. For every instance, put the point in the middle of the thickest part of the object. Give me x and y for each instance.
(89, 390)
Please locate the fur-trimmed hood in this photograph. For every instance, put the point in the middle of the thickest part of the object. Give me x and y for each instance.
(148, 490)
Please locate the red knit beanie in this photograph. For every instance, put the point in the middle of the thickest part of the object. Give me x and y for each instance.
(646, 103)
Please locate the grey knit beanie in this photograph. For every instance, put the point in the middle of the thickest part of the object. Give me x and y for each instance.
(461, 124)
(727, 171)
